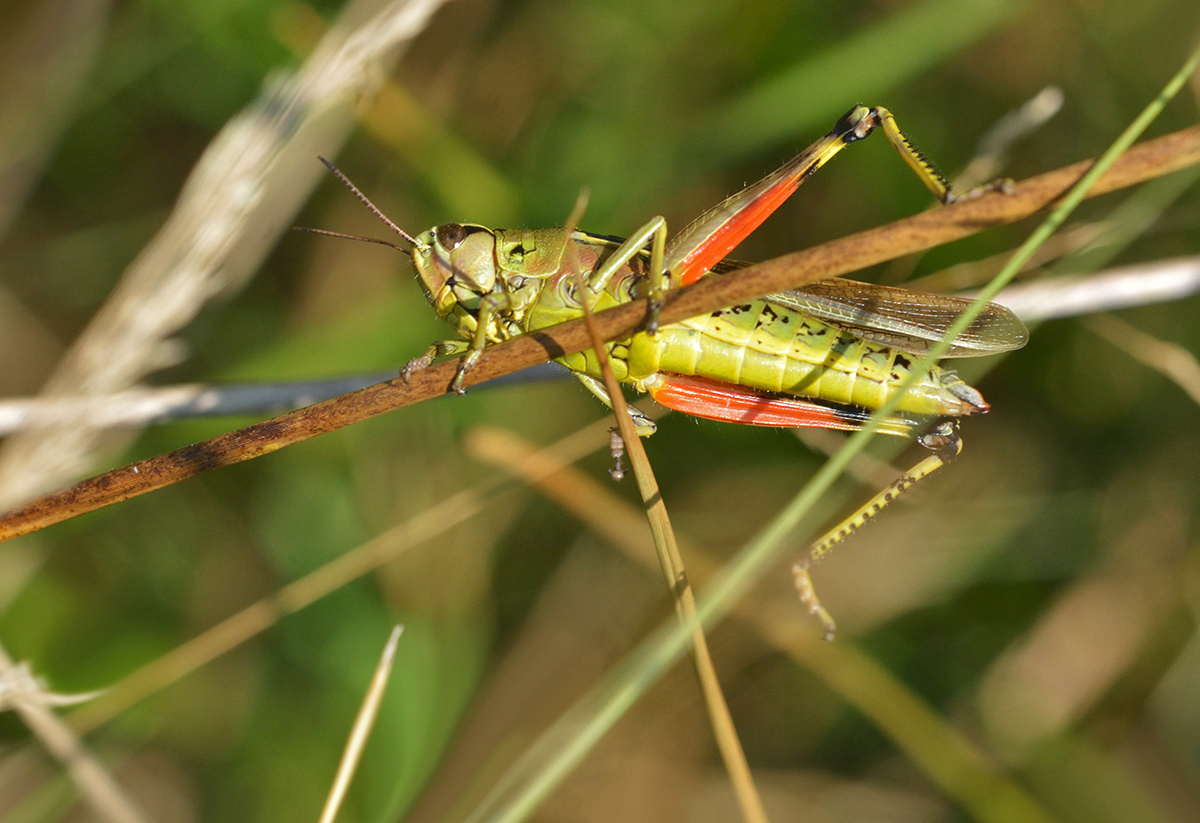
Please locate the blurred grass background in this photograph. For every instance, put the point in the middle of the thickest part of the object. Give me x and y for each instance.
(1039, 596)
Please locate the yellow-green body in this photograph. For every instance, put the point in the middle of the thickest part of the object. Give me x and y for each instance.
(760, 345)
(826, 355)
(836, 344)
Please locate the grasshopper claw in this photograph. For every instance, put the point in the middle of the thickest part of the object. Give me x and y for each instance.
(1004, 185)
(616, 447)
(808, 596)
(415, 365)
(465, 365)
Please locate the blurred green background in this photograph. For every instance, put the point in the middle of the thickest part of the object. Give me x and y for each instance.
(1039, 596)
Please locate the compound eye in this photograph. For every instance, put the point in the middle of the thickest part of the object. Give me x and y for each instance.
(450, 236)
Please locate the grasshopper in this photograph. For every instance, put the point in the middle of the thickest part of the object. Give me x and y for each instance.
(825, 355)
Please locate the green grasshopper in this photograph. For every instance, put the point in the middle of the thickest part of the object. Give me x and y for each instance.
(825, 355)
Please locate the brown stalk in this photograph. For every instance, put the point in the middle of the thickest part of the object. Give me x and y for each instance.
(671, 563)
(1145, 161)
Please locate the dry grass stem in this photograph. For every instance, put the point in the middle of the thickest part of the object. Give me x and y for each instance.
(1171, 360)
(1118, 288)
(28, 697)
(142, 406)
(49, 56)
(362, 729)
(991, 157)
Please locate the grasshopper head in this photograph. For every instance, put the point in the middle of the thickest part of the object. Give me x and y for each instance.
(456, 264)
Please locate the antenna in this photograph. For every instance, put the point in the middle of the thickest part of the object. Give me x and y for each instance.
(345, 236)
(387, 221)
